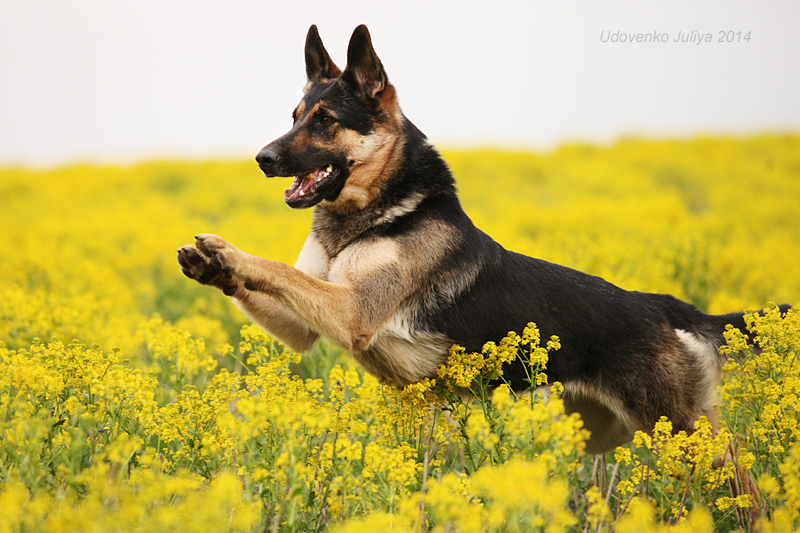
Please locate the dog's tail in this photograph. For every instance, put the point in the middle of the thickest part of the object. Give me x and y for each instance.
(710, 328)
(737, 320)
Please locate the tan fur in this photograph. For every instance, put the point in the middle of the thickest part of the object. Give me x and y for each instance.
(376, 157)
(282, 323)
(406, 356)
(270, 314)
(604, 415)
(424, 250)
(358, 261)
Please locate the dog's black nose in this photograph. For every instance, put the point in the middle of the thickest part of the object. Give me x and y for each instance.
(267, 156)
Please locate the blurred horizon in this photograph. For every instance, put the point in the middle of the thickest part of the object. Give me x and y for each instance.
(106, 83)
(445, 149)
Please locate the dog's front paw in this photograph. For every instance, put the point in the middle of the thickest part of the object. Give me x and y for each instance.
(220, 253)
(211, 261)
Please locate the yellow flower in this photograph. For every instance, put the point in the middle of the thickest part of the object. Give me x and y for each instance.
(622, 456)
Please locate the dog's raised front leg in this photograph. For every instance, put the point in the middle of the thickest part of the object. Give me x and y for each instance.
(262, 308)
(349, 313)
(273, 316)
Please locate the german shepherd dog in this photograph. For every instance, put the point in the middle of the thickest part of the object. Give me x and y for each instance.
(395, 272)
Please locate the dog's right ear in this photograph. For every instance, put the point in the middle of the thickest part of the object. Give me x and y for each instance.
(319, 65)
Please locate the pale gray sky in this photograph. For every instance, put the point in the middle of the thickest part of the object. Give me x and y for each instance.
(105, 80)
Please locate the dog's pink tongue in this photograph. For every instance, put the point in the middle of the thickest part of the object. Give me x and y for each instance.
(299, 187)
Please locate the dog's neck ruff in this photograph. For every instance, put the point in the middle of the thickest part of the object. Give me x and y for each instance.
(403, 207)
(339, 230)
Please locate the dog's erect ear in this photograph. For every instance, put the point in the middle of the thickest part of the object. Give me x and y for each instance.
(364, 69)
(318, 63)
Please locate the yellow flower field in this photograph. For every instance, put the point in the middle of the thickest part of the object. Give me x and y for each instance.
(134, 399)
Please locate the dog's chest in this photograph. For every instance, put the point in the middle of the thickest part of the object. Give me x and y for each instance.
(313, 259)
(351, 265)
(398, 353)
(401, 355)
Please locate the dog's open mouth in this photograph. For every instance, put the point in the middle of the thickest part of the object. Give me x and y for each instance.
(307, 190)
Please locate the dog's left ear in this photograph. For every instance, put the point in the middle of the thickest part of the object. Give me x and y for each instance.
(364, 69)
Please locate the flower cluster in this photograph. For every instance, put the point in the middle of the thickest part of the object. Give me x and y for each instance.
(134, 399)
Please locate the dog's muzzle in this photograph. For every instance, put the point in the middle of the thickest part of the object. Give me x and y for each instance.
(267, 159)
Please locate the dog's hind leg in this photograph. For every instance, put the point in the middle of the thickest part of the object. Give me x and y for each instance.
(608, 429)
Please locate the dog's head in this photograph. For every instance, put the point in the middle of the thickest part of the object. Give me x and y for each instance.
(346, 139)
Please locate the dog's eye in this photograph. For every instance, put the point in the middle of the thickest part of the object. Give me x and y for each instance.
(325, 120)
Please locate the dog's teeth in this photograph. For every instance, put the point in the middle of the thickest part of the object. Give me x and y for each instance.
(329, 169)
(302, 193)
